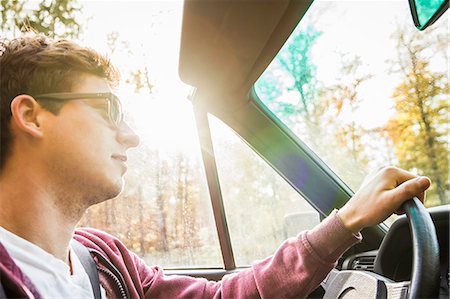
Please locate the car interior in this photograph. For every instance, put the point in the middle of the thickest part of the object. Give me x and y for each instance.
(248, 37)
(283, 107)
(257, 119)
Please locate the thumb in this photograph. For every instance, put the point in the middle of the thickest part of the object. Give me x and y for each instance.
(409, 189)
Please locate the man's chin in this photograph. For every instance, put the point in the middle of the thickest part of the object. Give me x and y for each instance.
(118, 188)
(107, 193)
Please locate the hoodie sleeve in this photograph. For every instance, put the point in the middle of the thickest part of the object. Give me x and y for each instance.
(294, 270)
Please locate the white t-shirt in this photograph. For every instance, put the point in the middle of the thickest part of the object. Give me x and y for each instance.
(50, 275)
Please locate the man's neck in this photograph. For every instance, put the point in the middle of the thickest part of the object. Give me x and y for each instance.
(32, 213)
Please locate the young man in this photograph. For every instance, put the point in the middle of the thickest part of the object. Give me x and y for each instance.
(63, 149)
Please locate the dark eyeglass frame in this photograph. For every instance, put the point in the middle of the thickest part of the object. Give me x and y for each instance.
(114, 106)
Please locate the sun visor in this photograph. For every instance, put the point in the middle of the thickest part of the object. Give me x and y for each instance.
(226, 45)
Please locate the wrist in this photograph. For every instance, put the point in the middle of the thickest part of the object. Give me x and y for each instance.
(350, 219)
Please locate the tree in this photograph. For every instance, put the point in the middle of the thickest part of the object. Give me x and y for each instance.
(57, 18)
(345, 96)
(419, 129)
(138, 77)
(290, 87)
(293, 71)
(296, 60)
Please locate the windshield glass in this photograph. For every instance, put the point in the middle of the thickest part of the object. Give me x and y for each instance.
(363, 88)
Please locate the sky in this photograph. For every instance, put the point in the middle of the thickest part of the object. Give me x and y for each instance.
(148, 36)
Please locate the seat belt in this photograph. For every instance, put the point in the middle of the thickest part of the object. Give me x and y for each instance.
(2, 292)
(89, 265)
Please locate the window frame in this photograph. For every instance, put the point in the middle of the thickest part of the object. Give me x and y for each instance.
(268, 137)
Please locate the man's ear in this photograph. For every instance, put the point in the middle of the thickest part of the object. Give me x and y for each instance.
(25, 115)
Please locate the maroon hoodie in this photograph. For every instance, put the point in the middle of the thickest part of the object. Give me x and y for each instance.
(296, 269)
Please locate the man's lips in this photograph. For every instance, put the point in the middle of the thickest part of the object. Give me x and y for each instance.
(121, 158)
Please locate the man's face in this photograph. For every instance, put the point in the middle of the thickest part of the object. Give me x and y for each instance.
(84, 152)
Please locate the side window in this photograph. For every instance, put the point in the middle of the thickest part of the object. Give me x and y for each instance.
(262, 209)
(164, 213)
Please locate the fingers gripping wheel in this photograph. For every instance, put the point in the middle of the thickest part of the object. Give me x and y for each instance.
(425, 267)
(425, 274)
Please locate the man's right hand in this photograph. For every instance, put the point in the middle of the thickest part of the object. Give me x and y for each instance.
(381, 195)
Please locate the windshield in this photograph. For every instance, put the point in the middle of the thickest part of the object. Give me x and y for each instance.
(363, 88)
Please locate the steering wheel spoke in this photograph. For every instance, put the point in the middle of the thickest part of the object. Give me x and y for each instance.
(362, 284)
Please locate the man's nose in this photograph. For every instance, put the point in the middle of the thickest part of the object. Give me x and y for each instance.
(126, 135)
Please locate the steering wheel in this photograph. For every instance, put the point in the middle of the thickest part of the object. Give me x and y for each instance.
(425, 267)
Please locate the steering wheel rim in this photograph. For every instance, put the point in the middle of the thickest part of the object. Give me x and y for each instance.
(424, 283)
(425, 272)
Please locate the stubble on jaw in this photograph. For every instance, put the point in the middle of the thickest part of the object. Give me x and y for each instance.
(74, 194)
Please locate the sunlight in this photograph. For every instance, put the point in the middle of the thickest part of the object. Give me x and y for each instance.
(162, 121)
(159, 111)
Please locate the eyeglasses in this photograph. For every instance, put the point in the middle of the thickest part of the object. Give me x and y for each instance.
(114, 106)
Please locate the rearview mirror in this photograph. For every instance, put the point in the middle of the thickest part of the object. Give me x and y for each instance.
(426, 12)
